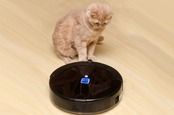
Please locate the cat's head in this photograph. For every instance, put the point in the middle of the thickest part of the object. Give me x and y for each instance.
(98, 15)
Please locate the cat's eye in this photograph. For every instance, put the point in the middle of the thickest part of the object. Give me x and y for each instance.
(104, 23)
(93, 16)
(97, 23)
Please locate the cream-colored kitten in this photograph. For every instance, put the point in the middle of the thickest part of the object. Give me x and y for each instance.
(78, 33)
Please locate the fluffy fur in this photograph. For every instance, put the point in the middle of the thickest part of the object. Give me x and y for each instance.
(77, 33)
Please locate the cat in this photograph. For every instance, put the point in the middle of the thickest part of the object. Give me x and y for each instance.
(77, 33)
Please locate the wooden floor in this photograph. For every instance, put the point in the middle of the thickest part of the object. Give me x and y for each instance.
(139, 43)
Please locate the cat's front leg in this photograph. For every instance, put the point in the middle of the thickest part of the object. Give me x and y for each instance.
(91, 49)
(82, 51)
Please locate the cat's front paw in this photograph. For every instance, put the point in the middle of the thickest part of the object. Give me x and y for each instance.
(82, 59)
(92, 57)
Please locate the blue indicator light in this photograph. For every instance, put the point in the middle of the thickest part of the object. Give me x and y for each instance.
(85, 80)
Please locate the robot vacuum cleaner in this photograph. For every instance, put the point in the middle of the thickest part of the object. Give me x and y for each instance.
(86, 87)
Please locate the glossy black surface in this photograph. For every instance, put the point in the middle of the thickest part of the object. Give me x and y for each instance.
(105, 83)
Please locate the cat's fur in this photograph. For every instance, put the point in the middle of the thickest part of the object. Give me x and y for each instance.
(77, 33)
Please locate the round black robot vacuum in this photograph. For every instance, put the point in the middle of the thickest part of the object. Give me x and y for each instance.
(86, 87)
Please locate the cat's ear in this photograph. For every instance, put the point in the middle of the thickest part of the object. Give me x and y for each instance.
(94, 12)
(88, 13)
(109, 16)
